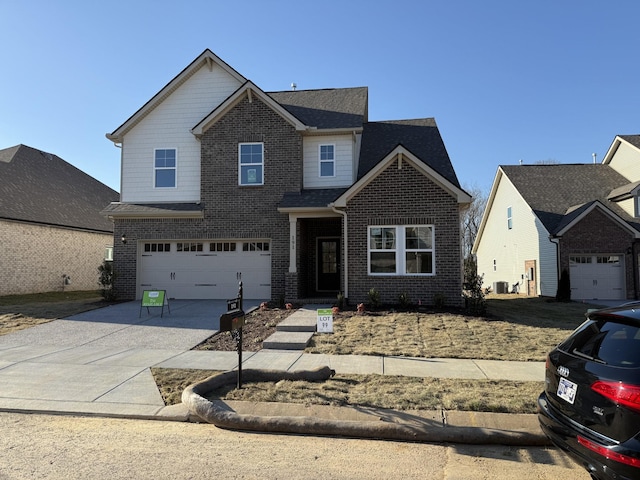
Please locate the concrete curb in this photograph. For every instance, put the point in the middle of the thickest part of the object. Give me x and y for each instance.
(379, 427)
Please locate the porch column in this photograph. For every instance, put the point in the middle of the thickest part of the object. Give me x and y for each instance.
(293, 222)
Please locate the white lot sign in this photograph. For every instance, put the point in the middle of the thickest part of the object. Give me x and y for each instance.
(325, 320)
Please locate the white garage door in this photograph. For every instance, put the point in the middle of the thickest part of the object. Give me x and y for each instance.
(597, 277)
(206, 269)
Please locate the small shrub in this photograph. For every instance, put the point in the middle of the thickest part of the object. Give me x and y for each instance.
(106, 276)
(563, 293)
(474, 301)
(439, 300)
(340, 301)
(374, 298)
(404, 300)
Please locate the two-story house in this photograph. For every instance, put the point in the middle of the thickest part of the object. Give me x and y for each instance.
(295, 193)
(581, 218)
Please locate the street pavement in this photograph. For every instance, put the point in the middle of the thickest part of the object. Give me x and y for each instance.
(98, 363)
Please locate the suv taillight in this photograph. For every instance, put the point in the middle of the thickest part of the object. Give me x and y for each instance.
(621, 393)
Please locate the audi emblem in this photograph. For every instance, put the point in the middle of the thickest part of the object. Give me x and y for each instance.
(563, 371)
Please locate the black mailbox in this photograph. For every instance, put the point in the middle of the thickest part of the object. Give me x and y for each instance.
(232, 320)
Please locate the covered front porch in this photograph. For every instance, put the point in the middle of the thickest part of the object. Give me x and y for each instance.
(316, 264)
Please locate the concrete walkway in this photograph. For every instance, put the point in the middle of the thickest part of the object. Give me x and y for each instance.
(98, 362)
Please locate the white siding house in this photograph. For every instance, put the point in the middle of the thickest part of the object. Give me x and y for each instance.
(167, 124)
(510, 237)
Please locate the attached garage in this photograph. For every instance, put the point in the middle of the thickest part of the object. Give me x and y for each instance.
(205, 269)
(597, 277)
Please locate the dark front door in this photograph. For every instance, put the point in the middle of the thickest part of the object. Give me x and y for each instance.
(328, 264)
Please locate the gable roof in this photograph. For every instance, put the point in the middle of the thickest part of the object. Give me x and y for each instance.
(40, 187)
(334, 108)
(633, 140)
(419, 136)
(206, 58)
(247, 90)
(553, 191)
(401, 154)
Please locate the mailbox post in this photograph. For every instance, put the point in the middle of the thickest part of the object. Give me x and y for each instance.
(233, 321)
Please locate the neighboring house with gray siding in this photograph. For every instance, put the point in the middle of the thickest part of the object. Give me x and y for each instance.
(294, 192)
(51, 228)
(583, 218)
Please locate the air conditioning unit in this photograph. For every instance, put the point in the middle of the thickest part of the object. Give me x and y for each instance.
(500, 287)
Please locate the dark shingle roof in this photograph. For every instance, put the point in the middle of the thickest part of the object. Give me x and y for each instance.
(311, 198)
(328, 108)
(632, 139)
(556, 190)
(42, 188)
(421, 137)
(152, 209)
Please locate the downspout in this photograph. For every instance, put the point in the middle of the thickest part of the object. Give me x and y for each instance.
(556, 242)
(345, 248)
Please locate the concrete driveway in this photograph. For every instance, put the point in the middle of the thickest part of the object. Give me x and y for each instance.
(98, 361)
(127, 325)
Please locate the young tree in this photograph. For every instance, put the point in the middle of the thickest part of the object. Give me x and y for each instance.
(470, 220)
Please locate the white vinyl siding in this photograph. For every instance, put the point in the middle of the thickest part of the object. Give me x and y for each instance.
(343, 161)
(170, 123)
(510, 248)
(626, 162)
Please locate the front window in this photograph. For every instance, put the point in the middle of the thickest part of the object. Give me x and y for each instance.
(401, 250)
(327, 161)
(251, 163)
(165, 168)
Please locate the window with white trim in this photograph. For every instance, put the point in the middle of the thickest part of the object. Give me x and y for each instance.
(327, 166)
(509, 218)
(165, 161)
(250, 164)
(401, 250)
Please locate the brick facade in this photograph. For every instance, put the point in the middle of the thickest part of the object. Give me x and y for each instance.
(230, 210)
(405, 197)
(34, 258)
(597, 233)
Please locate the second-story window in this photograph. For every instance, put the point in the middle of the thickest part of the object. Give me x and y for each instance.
(251, 164)
(165, 168)
(509, 218)
(327, 161)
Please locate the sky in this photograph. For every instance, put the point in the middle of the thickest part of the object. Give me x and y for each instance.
(507, 81)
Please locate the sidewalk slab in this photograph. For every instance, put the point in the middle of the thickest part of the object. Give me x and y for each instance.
(138, 390)
(271, 360)
(432, 367)
(356, 364)
(24, 353)
(517, 371)
(138, 357)
(78, 355)
(205, 360)
(44, 381)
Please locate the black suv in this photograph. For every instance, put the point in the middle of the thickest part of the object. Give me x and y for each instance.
(590, 407)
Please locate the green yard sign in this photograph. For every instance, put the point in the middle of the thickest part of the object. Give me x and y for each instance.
(154, 298)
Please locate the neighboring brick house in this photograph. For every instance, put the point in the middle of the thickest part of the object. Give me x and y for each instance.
(51, 229)
(582, 218)
(295, 193)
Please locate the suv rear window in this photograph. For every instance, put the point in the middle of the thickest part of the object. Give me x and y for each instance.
(607, 342)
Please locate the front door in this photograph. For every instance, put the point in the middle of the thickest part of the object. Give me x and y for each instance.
(328, 267)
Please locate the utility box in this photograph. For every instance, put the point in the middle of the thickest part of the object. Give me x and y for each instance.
(501, 287)
(232, 320)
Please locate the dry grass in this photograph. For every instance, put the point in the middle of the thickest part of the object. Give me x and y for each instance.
(523, 329)
(378, 391)
(18, 312)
